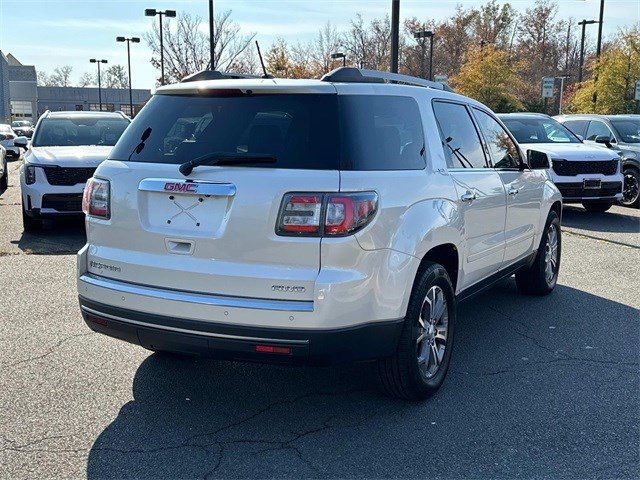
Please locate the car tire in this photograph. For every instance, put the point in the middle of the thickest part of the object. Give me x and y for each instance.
(597, 206)
(631, 189)
(413, 373)
(4, 181)
(30, 224)
(541, 277)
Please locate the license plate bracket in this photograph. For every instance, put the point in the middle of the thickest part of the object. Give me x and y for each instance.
(592, 184)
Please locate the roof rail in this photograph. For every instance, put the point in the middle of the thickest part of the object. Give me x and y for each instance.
(360, 75)
(217, 75)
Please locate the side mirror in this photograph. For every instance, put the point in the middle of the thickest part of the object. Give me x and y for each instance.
(21, 142)
(604, 140)
(537, 160)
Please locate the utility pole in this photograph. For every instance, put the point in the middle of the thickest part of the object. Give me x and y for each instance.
(598, 51)
(395, 32)
(421, 36)
(583, 23)
(212, 35)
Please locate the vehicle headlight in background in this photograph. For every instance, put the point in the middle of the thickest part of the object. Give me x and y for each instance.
(30, 174)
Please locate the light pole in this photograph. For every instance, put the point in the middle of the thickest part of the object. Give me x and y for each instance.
(129, 40)
(583, 24)
(95, 60)
(562, 78)
(335, 56)
(421, 36)
(212, 45)
(395, 33)
(152, 12)
(598, 50)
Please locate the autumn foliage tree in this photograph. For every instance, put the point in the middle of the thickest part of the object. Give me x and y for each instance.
(613, 78)
(491, 77)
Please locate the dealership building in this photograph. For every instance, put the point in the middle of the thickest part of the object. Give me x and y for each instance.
(22, 98)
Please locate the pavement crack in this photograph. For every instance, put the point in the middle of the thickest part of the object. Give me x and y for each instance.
(49, 351)
(601, 239)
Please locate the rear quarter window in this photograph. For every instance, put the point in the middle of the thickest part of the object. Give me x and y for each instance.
(381, 133)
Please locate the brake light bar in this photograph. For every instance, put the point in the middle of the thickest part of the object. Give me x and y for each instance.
(325, 214)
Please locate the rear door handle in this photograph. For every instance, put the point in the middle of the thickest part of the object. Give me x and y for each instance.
(513, 191)
(468, 197)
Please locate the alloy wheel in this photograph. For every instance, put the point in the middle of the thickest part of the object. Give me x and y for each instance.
(433, 328)
(551, 254)
(631, 189)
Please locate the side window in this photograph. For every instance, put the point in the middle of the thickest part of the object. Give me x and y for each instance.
(460, 140)
(596, 129)
(381, 133)
(576, 126)
(503, 150)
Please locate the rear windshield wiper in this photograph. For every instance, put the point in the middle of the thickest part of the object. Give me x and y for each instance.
(225, 158)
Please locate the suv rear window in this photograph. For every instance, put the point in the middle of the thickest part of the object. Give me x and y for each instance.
(300, 130)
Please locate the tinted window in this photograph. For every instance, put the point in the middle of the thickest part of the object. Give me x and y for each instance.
(596, 129)
(381, 133)
(576, 126)
(538, 130)
(628, 130)
(502, 149)
(77, 131)
(300, 131)
(462, 147)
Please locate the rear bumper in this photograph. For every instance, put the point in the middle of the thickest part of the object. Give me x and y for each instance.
(575, 191)
(240, 342)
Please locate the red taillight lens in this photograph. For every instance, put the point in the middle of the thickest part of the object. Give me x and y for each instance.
(300, 214)
(272, 349)
(96, 198)
(325, 214)
(347, 213)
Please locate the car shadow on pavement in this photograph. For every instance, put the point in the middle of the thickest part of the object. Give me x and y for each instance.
(577, 217)
(64, 237)
(518, 383)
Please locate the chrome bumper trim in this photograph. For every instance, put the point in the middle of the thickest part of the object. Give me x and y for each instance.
(91, 311)
(199, 298)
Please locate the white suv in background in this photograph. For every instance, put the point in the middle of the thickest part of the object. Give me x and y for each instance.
(587, 174)
(65, 151)
(312, 221)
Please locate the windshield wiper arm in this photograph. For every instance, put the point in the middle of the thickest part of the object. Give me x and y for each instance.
(225, 158)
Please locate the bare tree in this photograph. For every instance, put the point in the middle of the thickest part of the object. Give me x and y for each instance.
(493, 23)
(87, 79)
(326, 43)
(116, 77)
(187, 47)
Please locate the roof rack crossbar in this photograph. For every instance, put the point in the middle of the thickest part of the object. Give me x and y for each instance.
(217, 75)
(360, 75)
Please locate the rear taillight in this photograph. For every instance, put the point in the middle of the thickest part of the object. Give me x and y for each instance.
(325, 214)
(96, 198)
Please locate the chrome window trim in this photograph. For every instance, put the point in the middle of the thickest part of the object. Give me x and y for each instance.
(199, 298)
(91, 311)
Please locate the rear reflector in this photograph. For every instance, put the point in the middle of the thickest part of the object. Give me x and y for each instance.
(98, 320)
(272, 349)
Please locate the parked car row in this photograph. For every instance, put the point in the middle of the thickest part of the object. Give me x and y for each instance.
(8, 138)
(312, 221)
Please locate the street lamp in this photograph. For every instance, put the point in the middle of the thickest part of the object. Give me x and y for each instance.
(129, 40)
(583, 24)
(335, 56)
(421, 36)
(94, 60)
(152, 12)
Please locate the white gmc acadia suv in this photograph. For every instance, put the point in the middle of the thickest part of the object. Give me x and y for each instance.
(65, 151)
(312, 221)
(587, 174)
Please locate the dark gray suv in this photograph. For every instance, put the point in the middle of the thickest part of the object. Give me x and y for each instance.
(620, 133)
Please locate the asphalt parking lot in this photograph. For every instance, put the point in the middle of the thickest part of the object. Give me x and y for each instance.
(539, 387)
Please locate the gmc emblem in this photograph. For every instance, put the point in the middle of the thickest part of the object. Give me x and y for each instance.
(180, 187)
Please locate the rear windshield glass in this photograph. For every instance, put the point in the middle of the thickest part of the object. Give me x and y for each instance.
(298, 130)
(66, 132)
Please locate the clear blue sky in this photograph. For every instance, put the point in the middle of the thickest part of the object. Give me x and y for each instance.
(57, 32)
